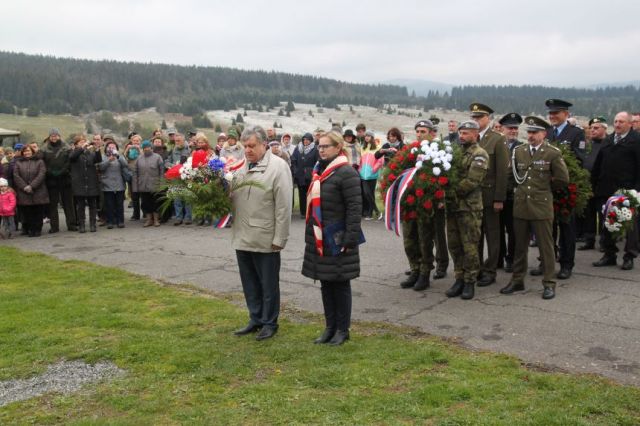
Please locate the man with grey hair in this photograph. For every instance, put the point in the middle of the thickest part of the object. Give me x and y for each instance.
(617, 166)
(179, 155)
(262, 215)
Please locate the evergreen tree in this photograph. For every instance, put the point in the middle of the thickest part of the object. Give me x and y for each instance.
(163, 125)
(290, 107)
(239, 118)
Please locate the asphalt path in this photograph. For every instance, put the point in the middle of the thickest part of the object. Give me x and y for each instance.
(592, 326)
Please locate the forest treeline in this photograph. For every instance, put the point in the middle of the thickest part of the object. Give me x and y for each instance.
(47, 84)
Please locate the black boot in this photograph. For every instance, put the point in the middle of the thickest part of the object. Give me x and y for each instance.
(606, 260)
(468, 291)
(411, 280)
(339, 338)
(80, 216)
(81, 227)
(511, 287)
(327, 335)
(422, 283)
(456, 289)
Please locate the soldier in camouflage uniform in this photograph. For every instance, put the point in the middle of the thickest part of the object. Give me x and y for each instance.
(464, 214)
(538, 169)
(418, 236)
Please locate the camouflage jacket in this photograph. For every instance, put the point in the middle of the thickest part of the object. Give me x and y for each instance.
(474, 165)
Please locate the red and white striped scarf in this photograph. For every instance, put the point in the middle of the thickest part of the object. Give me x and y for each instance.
(314, 211)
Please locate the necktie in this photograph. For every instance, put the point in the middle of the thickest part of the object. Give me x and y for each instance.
(616, 139)
(556, 133)
(252, 165)
(533, 151)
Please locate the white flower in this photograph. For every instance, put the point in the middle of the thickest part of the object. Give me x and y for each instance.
(441, 153)
(447, 143)
(448, 158)
(418, 164)
(436, 160)
(436, 171)
(228, 176)
(446, 166)
(434, 146)
(414, 150)
(448, 150)
(626, 203)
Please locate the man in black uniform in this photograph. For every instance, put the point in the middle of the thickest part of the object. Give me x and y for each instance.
(598, 129)
(510, 124)
(564, 133)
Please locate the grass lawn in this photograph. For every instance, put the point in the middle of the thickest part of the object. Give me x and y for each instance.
(40, 125)
(184, 366)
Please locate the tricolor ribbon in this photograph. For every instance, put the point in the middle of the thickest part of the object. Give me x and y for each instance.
(392, 205)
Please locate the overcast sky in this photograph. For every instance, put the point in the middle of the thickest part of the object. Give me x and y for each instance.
(459, 42)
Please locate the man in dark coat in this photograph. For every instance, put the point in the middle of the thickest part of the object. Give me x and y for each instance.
(598, 129)
(303, 159)
(84, 180)
(617, 166)
(56, 158)
(564, 133)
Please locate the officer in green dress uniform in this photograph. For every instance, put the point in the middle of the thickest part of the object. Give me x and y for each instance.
(538, 169)
(494, 190)
(464, 213)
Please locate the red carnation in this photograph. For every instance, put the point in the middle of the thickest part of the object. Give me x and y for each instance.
(411, 199)
(400, 158)
(411, 157)
(573, 197)
(621, 200)
(572, 203)
(443, 180)
(392, 177)
(612, 214)
(393, 166)
(412, 215)
(419, 193)
(428, 205)
(572, 187)
(414, 144)
(422, 176)
(563, 200)
(439, 194)
(433, 180)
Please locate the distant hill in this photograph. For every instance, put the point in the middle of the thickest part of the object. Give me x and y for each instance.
(420, 87)
(64, 85)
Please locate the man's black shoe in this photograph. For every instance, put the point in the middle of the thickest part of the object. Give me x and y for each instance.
(339, 338)
(564, 274)
(456, 289)
(327, 335)
(512, 287)
(468, 291)
(251, 328)
(485, 280)
(627, 264)
(266, 333)
(535, 272)
(548, 293)
(439, 273)
(422, 283)
(605, 261)
(410, 281)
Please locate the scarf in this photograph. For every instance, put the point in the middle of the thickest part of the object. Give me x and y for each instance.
(314, 212)
(355, 151)
(304, 150)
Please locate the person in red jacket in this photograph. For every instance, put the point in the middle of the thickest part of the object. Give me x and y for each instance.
(7, 210)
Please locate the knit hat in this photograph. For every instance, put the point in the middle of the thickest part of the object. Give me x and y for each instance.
(4, 182)
(232, 133)
(370, 133)
(308, 136)
(146, 144)
(54, 131)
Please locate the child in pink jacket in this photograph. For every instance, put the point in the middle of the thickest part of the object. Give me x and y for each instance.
(7, 210)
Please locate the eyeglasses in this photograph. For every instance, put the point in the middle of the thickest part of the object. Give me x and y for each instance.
(322, 147)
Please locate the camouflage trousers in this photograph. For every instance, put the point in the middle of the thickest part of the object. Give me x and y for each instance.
(418, 236)
(463, 233)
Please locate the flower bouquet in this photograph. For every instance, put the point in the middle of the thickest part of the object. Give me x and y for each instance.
(204, 184)
(620, 212)
(575, 196)
(416, 180)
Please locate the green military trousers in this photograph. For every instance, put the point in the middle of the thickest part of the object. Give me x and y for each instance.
(544, 236)
(463, 232)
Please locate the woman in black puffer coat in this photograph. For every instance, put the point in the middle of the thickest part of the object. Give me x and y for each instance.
(341, 212)
(84, 180)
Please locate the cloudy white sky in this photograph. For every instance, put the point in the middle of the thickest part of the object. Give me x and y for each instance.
(452, 41)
